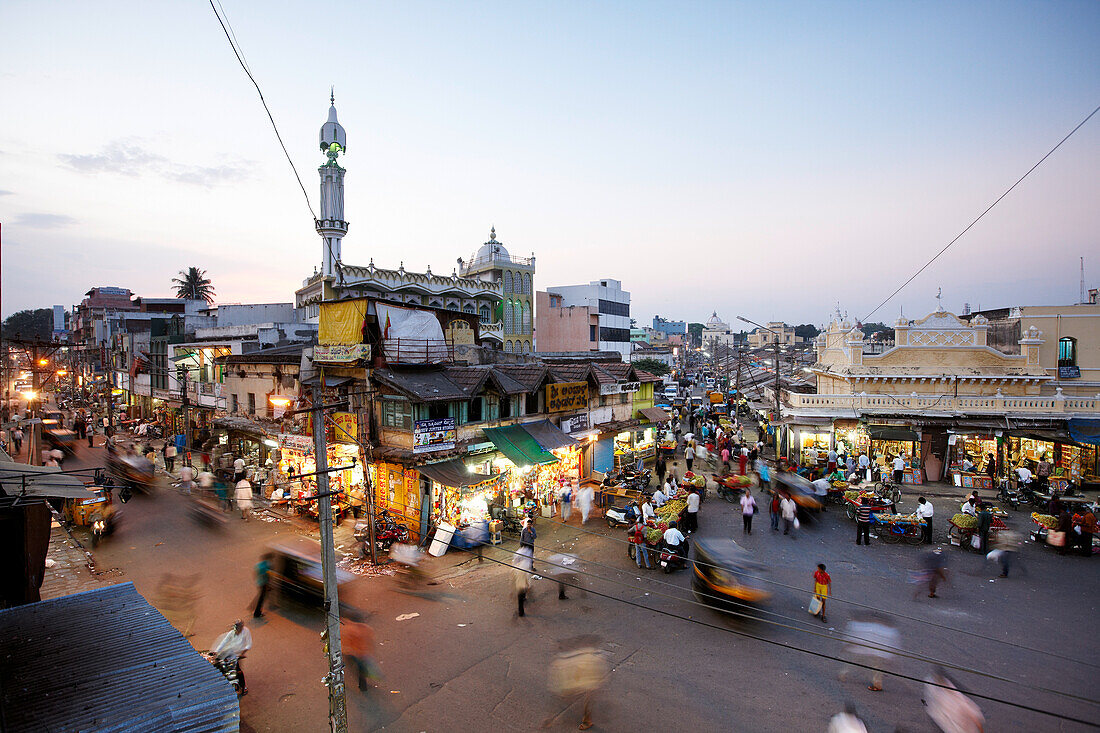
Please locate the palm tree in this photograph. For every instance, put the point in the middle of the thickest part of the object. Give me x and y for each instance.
(194, 285)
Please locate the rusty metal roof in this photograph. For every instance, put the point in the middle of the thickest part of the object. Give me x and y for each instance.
(106, 660)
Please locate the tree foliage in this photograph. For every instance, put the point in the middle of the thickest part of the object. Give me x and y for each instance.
(652, 366)
(695, 331)
(194, 285)
(870, 329)
(806, 330)
(29, 324)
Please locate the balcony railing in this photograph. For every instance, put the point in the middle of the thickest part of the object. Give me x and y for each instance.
(991, 405)
(492, 330)
(418, 351)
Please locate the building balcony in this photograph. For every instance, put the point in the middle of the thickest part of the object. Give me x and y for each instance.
(479, 264)
(492, 331)
(997, 405)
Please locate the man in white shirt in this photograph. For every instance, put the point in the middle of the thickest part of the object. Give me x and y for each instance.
(659, 498)
(692, 512)
(811, 457)
(970, 507)
(647, 511)
(924, 511)
(789, 511)
(865, 465)
(899, 469)
(832, 460)
(674, 540)
(1023, 473)
(235, 643)
(238, 470)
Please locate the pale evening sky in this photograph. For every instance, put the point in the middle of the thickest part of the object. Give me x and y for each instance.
(766, 159)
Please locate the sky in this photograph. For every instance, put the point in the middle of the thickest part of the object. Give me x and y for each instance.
(770, 160)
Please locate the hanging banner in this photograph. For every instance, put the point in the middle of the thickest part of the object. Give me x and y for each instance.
(340, 353)
(434, 435)
(566, 396)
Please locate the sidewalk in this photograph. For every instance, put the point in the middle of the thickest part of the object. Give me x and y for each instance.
(70, 571)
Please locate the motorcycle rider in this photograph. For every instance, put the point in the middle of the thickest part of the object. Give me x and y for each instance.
(674, 540)
(234, 644)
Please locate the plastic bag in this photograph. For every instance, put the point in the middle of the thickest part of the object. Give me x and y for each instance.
(796, 524)
(1056, 538)
(815, 606)
(994, 556)
(975, 541)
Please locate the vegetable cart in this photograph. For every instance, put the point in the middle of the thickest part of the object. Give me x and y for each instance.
(878, 504)
(965, 526)
(894, 528)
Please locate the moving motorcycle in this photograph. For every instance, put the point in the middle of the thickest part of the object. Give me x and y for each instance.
(229, 666)
(673, 558)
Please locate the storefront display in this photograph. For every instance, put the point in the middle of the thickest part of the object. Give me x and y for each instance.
(296, 457)
(978, 450)
(816, 441)
(851, 439)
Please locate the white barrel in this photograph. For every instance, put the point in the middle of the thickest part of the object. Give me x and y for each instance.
(442, 539)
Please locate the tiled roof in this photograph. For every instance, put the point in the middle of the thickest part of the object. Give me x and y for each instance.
(570, 372)
(602, 376)
(644, 376)
(425, 386)
(529, 376)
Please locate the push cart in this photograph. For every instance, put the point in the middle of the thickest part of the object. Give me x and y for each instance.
(894, 528)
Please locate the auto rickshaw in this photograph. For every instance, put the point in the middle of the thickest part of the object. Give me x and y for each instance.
(722, 574)
(134, 472)
(799, 489)
(97, 512)
(296, 569)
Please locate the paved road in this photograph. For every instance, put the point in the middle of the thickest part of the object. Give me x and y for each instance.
(466, 662)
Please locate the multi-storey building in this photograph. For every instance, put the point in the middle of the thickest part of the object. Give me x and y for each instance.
(612, 305)
(516, 276)
(564, 328)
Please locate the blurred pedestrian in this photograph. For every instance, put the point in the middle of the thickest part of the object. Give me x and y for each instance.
(985, 523)
(949, 709)
(522, 583)
(789, 511)
(748, 509)
(872, 640)
(357, 642)
(235, 644)
(17, 439)
(823, 584)
(565, 497)
(584, 501)
(846, 722)
(243, 494)
(578, 671)
(187, 475)
(1006, 544)
(935, 570)
(263, 580)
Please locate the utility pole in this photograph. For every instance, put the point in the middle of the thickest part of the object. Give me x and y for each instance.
(337, 695)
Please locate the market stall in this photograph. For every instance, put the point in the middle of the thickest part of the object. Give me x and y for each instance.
(818, 441)
(978, 449)
(889, 441)
(296, 457)
(460, 496)
(851, 438)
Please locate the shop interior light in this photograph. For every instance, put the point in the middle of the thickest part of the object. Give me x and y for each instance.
(279, 400)
(271, 443)
(29, 394)
(61, 372)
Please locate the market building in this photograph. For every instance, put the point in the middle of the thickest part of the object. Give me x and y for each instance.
(939, 395)
(779, 331)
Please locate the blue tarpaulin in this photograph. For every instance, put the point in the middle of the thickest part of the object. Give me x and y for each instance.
(1086, 432)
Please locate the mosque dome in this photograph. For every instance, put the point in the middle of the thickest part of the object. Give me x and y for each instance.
(492, 248)
(714, 321)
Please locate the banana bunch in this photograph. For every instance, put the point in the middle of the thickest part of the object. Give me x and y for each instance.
(1047, 520)
(671, 509)
(840, 485)
(964, 521)
(653, 536)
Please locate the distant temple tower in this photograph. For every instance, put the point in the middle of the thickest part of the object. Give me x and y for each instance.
(331, 226)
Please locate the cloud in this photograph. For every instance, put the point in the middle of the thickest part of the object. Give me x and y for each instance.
(129, 158)
(43, 221)
(6, 193)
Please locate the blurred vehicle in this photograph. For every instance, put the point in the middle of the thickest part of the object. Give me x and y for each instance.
(296, 569)
(722, 574)
(799, 489)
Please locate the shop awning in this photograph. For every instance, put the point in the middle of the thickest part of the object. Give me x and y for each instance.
(40, 481)
(453, 473)
(548, 435)
(518, 445)
(891, 432)
(1086, 432)
(654, 414)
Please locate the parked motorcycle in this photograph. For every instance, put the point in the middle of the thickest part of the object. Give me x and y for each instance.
(1008, 496)
(623, 516)
(387, 532)
(630, 478)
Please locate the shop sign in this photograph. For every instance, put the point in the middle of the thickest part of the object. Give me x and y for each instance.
(340, 354)
(574, 424)
(620, 388)
(1069, 372)
(345, 427)
(566, 396)
(300, 443)
(434, 435)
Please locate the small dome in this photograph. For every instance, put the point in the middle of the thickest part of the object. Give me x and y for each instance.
(332, 131)
(714, 320)
(492, 248)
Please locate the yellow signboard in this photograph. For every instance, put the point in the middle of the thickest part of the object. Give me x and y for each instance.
(566, 396)
(345, 427)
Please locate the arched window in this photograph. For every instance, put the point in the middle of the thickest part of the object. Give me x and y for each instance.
(509, 321)
(468, 308)
(526, 347)
(483, 313)
(526, 324)
(507, 282)
(507, 347)
(526, 283)
(1067, 351)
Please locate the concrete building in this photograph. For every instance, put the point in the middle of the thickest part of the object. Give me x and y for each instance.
(479, 291)
(564, 328)
(759, 338)
(669, 327)
(611, 303)
(717, 334)
(664, 354)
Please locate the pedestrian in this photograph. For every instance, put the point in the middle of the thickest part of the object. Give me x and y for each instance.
(527, 537)
(187, 481)
(899, 468)
(689, 455)
(584, 501)
(773, 509)
(823, 585)
(263, 579)
(1006, 544)
(637, 537)
(565, 497)
(863, 521)
(578, 671)
(725, 460)
(924, 512)
(662, 469)
(357, 641)
(169, 456)
(17, 439)
(238, 470)
(748, 509)
(865, 466)
(742, 458)
(985, 523)
(692, 511)
(935, 570)
(243, 494)
(789, 510)
(846, 722)
(872, 640)
(522, 583)
(831, 460)
(90, 434)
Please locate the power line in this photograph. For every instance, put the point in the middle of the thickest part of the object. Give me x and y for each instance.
(979, 217)
(238, 53)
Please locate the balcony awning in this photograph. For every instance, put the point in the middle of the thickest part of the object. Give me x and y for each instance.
(654, 414)
(453, 473)
(548, 435)
(518, 445)
(891, 432)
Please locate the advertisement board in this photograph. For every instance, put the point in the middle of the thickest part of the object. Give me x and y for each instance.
(566, 396)
(1069, 372)
(433, 435)
(340, 354)
(574, 424)
(620, 388)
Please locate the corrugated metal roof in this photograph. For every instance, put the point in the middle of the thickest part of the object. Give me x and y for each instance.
(17, 478)
(106, 660)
